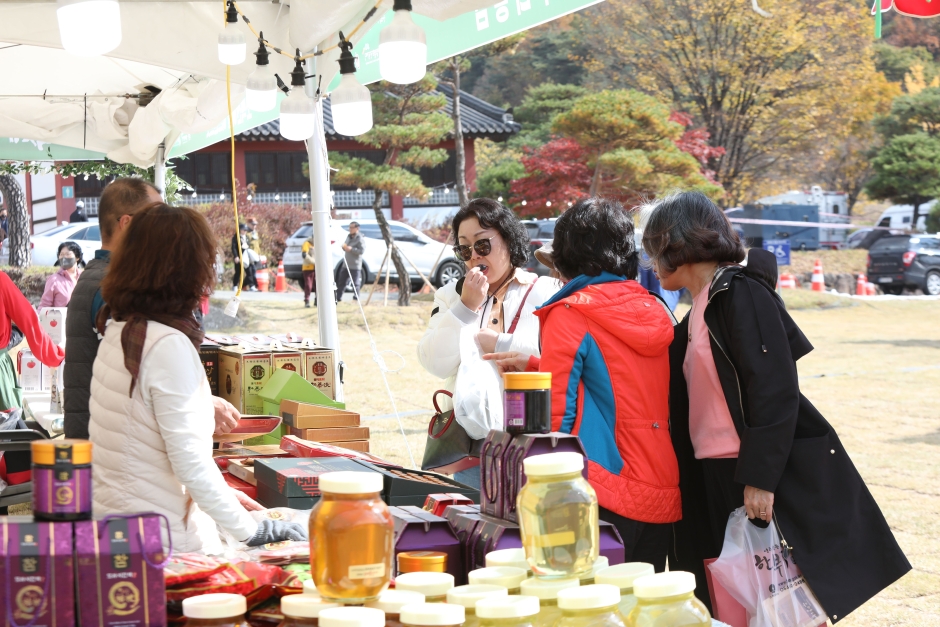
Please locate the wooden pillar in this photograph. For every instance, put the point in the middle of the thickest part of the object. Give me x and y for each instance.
(398, 207)
(240, 173)
(471, 164)
(64, 198)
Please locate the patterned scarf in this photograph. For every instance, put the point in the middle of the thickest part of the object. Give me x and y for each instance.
(135, 333)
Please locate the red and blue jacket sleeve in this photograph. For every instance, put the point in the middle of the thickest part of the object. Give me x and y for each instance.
(563, 332)
(18, 309)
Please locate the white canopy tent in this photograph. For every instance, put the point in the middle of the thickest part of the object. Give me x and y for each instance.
(162, 91)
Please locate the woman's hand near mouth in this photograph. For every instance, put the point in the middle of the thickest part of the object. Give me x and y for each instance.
(475, 289)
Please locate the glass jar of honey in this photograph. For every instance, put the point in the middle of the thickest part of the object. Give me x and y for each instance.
(508, 557)
(352, 617)
(599, 564)
(391, 602)
(508, 577)
(527, 402)
(351, 538)
(434, 586)
(61, 479)
(303, 610)
(433, 615)
(558, 516)
(667, 599)
(467, 596)
(511, 611)
(422, 561)
(591, 606)
(546, 590)
(215, 610)
(623, 576)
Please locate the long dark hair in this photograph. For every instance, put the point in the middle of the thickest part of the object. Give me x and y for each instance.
(76, 250)
(493, 215)
(595, 236)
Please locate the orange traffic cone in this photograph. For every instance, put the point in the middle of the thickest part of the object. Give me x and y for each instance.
(861, 285)
(871, 289)
(264, 280)
(787, 281)
(819, 281)
(280, 283)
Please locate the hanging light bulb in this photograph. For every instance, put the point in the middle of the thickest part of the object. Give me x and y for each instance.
(569, 204)
(403, 48)
(221, 196)
(304, 196)
(298, 110)
(194, 193)
(277, 196)
(89, 27)
(358, 190)
(351, 102)
(499, 199)
(523, 203)
(431, 192)
(548, 203)
(249, 197)
(232, 47)
(261, 93)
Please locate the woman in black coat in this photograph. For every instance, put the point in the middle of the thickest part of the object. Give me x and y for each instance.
(751, 437)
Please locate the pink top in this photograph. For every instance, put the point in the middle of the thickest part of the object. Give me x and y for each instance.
(710, 424)
(58, 290)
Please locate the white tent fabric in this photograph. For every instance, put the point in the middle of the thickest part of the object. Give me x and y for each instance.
(170, 45)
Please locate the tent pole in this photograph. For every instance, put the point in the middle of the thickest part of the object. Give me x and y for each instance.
(159, 170)
(320, 204)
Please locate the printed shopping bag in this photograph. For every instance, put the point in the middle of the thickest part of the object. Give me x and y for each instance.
(758, 570)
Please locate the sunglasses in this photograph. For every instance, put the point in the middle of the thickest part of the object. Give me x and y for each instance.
(483, 247)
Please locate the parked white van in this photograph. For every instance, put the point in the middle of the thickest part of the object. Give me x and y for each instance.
(900, 216)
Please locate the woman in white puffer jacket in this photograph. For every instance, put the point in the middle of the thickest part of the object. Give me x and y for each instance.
(151, 408)
(497, 297)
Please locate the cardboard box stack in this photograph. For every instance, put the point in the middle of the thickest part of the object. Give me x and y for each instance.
(329, 425)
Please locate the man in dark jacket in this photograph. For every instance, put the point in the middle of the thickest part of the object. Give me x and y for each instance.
(354, 247)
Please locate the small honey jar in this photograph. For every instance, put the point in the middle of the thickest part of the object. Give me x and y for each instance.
(422, 562)
(61, 479)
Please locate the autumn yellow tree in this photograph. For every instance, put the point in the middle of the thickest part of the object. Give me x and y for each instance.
(761, 86)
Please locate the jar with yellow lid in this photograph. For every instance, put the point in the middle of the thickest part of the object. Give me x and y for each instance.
(667, 599)
(392, 601)
(434, 586)
(352, 617)
(590, 606)
(422, 561)
(623, 576)
(546, 591)
(61, 479)
(558, 516)
(511, 611)
(508, 577)
(467, 596)
(433, 615)
(351, 538)
(303, 610)
(215, 610)
(599, 564)
(527, 402)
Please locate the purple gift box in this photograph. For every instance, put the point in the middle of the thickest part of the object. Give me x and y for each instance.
(491, 534)
(418, 530)
(529, 445)
(493, 473)
(120, 571)
(36, 569)
(463, 520)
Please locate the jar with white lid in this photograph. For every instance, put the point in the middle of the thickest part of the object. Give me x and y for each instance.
(215, 610)
(599, 564)
(303, 610)
(392, 601)
(468, 596)
(310, 588)
(434, 586)
(508, 577)
(351, 538)
(558, 516)
(508, 557)
(511, 611)
(433, 615)
(352, 617)
(623, 576)
(590, 606)
(667, 599)
(546, 591)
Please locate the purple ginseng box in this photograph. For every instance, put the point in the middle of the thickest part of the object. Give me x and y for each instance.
(116, 585)
(36, 569)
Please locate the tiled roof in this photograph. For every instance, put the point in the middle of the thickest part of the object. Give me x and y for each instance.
(478, 118)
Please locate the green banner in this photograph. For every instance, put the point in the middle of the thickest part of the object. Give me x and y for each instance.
(445, 39)
(14, 149)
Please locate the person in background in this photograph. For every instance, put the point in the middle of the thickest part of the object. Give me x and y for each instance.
(497, 297)
(4, 223)
(254, 239)
(354, 247)
(120, 201)
(744, 434)
(15, 309)
(78, 215)
(243, 264)
(151, 408)
(59, 286)
(605, 340)
(309, 270)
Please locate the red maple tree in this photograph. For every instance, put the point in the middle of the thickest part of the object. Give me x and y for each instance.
(557, 174)
(695, 142)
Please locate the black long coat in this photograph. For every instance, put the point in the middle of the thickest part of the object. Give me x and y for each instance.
(825, 513)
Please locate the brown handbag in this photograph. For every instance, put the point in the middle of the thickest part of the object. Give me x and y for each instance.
(449, 449)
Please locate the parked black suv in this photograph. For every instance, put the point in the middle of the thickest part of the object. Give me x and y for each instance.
(897, 262)
(540, 232)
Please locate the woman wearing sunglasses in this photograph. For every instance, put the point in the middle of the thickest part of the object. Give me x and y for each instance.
(496, 297)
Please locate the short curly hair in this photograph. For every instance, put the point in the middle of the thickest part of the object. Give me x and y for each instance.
(688, 228)
(493, 215)
(595, 236)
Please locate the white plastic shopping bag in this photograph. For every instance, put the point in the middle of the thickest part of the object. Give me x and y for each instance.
(758, 571)
(478, 390)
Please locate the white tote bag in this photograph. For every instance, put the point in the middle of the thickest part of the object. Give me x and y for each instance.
(478, 390)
